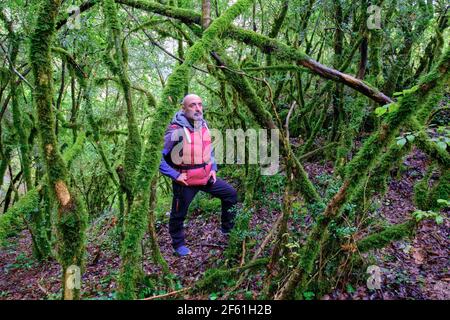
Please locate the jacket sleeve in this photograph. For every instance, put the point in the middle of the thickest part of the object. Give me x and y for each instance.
(164, 167)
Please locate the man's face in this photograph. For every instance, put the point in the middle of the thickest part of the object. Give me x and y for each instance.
(193, 108)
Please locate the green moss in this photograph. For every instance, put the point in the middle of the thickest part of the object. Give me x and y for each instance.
(379, 175)
(421, 190)
(42, 227)
(278, 68)
(10, 76)
(4, 76)
(71, 219)
(375, 57)
(186, 15)
(135, 223)
(423, 142)
(21, 130)
(408, 104)
(215, 279)
(441, 190)
(118, 65)
(75, 149)
(357, 169)
(88, 93)
(426, 198)
(238, 234)
(264, 118)
(12, 222)
(4, 163)
(392, 233)
(315, 130)
(278, 22)
(349, 129)
(158, 258)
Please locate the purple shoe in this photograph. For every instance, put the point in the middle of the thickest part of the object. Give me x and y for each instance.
(182, 251)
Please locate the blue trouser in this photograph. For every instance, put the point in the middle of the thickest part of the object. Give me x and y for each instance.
(182, 198)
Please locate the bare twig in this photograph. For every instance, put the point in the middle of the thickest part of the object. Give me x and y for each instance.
(167, 294)
(41, 287)
(286, 125)
(12, 66)
(157, 44)
(255, 256)
(243, 254)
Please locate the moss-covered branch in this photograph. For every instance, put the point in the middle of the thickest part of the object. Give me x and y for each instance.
(266, 45)
(120, 69)
(71, 217)
(215, 278)
(12, 221)
(151, 100)
(14, 42)
(241, 84)
(356, 170)
(378, 240)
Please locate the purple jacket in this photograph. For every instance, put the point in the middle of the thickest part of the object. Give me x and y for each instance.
(180, 120)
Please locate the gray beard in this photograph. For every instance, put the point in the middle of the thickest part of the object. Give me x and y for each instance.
(198, 123)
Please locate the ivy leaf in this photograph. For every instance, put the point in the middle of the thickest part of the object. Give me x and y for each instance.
(393, 107)
(350, 289)
(443, 202)
(442, 145)
(401, 142)
(439, 219)
(380, 111)
(308, 295)
(410, 137)
(213, 296)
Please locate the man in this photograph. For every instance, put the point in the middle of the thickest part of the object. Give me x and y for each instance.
(188, 158)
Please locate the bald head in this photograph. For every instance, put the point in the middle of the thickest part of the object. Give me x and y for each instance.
(189, 97)
(193, 107)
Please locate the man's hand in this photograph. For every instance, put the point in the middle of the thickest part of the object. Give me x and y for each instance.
(182, 179)
(212, 174)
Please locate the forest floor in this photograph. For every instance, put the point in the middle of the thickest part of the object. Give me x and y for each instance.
(417, 268)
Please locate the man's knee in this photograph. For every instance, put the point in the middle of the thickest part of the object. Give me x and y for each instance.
(230, 195)
(233, 196)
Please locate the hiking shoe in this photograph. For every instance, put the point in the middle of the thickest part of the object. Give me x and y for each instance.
(182, 251)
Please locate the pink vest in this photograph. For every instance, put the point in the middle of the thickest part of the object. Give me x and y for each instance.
(196, 156)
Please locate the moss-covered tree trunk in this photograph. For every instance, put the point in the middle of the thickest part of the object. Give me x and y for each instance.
(25, 161)
(71, 216)
(118, 65)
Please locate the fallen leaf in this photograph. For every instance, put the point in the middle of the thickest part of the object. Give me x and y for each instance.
(418, 256)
